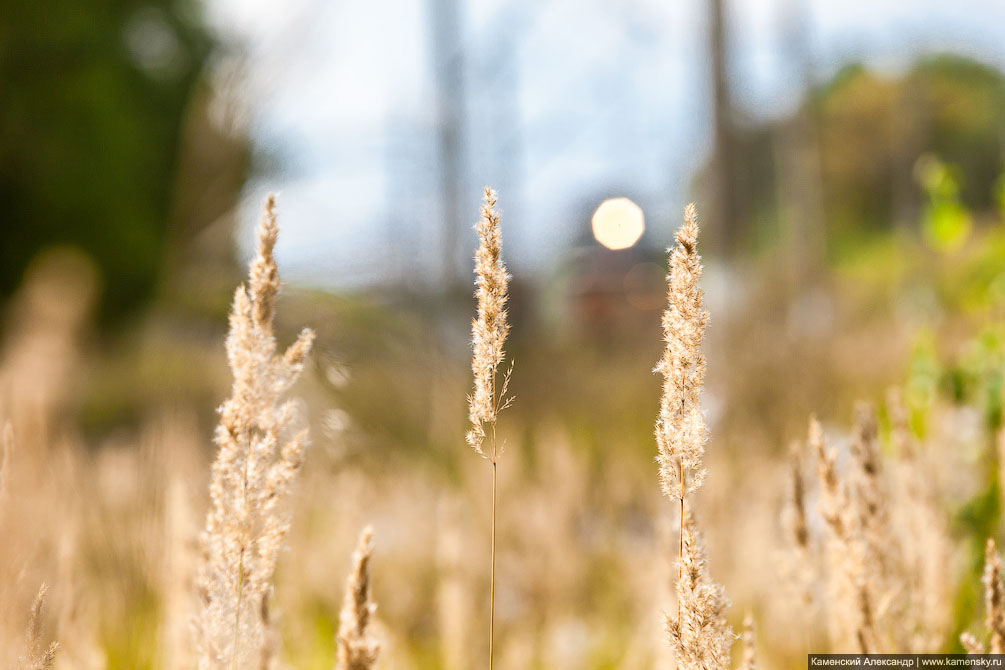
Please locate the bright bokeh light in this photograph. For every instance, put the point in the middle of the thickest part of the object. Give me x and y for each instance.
(618, 223)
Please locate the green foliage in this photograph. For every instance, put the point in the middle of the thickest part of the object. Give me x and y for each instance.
(974, 378)
(966, 103)
(132, 644)
(315, 648)
(946, 224)
(872, 128)
(93, 98)
(980, 370)
(923, 375)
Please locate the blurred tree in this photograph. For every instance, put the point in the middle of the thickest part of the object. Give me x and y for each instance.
(448, 64)
(874, 128)
(727, 205)
(96, 95)
(869, 130)
(946, 223)
(797, 153)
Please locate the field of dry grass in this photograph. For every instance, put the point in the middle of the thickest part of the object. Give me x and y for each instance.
(778, 507)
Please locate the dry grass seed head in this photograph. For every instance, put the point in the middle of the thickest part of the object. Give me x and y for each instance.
(357, 649)
(848, 598)
(833, 498)
(252, 474)
(794, 520)
(883, 573)
(700, 635)
(489, 328)
(994, 598)
(680, 431)
(994, 605)
(37, 657)
(798, 558)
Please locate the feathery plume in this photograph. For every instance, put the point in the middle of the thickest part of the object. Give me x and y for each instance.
(699, 634)
(680, 429)
(869, 493)
(797, 558)
(488, 335)
(833, 498)
(994, 598)
(37, 656)
(357, 649)
(882, 573)
(253, 473)
(794, 512)
(994, 605)
(864, 565)
(489, 329)
(850, 620)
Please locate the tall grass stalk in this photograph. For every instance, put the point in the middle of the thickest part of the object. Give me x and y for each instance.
(489, 330)
(680, 429)
(699, 633)
(252, 475)
(357, 649)
(37, 656)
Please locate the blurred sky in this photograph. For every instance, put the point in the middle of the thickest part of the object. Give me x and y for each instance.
(567, 102)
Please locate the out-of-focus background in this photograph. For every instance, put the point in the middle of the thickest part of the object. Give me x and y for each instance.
(847, 161)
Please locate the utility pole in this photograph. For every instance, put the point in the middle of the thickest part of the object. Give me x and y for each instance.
(728, 196)
(448, 73)
(797, 155)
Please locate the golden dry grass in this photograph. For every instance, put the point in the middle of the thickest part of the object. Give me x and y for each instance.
(852, 542)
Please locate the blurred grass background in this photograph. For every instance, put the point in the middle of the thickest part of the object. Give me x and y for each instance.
(853, 241)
